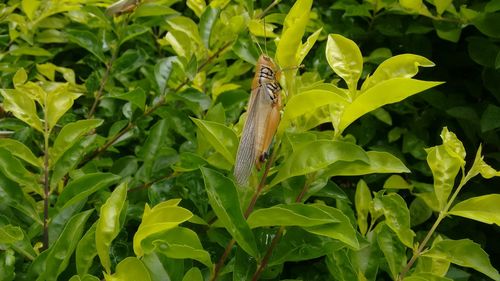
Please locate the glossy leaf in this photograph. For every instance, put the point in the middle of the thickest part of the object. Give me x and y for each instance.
(162, 217)
(22, 106)
(484, 208)
(464, 253)
(293, 29)
(342, 231)
(82, 187)
(224, 200)
(426, 277)
(58, 102)
(397, 216)
(182, 243)
(194, 274)
(394, 251)
(14, 170)
(362, 201)
(207, 23)
(400, 66)
(308, 101)
(108, 225)
(129, 269)
(69, 135)
(136, 96)
(62, 250)
(378, 162)
(383, 93)
(222, 139)
(21, 151)
(86, 251)
(318, 155)
(163, 70)
(85, 277)
(444, 169)
(306, 47)
(151, 148)
(10, 234)
(397, 182)
(290, 215)
(88, 41)
(344, 57)
(340, 266)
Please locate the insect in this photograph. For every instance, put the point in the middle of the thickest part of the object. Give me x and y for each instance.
(262, 121)
(122, 7)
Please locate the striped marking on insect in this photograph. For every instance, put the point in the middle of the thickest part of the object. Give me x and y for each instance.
(262, 120)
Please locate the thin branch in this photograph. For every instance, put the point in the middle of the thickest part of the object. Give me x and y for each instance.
(248, 211)
(153, 108)
(149, 184)
(277, 237)
(274, 3)
(104, 80)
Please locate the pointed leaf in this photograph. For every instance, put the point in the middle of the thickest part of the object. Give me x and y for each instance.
(194, 274)
(162, 217)
(317, 155)
(394, 251)
(386, 92)
(14, 170)
(69, 135)
(59, 101)
(464, 253)
(129, 269)
(207, 23)
(21, 151)
(82, 187)
(484, 208)
(22, 106)
(88, 41)
(345, 59)
(222, 139)
(224, 200)
(445, 168)
(362, 201)
(379, 162)
(108, 225)
(86, 251)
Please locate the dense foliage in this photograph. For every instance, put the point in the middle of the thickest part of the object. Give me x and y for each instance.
(120, 125)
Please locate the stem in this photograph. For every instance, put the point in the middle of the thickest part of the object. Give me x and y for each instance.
(149, 111)
(441, 216)
(248, 211)
(277, 237)
(46, 184)
(104, 80)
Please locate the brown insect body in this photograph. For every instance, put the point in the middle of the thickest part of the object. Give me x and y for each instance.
(262, 119)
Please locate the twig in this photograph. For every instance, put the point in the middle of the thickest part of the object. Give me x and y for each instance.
(248, 211)
(104, 80)
(149, 111)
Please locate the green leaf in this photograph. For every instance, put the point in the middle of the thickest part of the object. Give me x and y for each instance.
(69, 135)
(224, 200)
(400, 66)
(82, 187)
(293, 29)
(30, 7)
(442, 5)
(306, 47)
(486, 23)
(490, 117)
(49, 70)
(317, 155)
(148, 9)
(151, 147)
(129, 269)
(108, 225)
(163, 70)
(207, 23)
(10, 234)
(13, 169)
(30, 51)
(394, 252)
(308, 101)
(193, 274)
(362, 201)
(88, 41)
(484, 208)
(340, 266)
(222, 138)
(420, 212)
(342, 230)
(22, 106)
(59, 100)
(137, 97)
(132, 31)
(444, 169)
(12, 195)
(397, 216)
(182, 243)
(86, 277)
(290, 215)
(20, 77)
(86, 251)
(162, 217)
(378, 162)
(344, 57)
(453, 145)
(465, 253)
(397, 182)
(21, 151)
(424, 276)
(62, 250)
(383, 93)
(155, 267)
